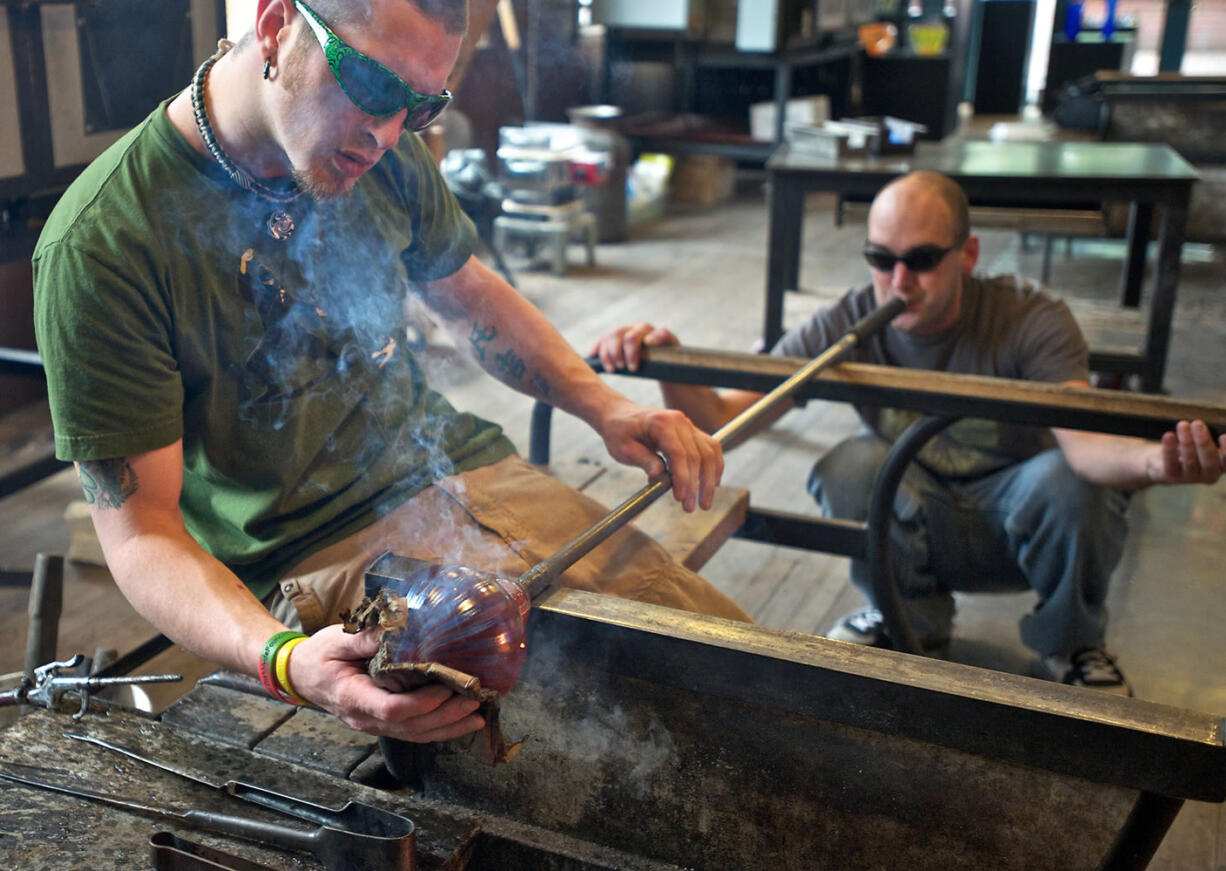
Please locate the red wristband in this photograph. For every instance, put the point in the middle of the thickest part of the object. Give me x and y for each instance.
(267, 669)
(269, 683)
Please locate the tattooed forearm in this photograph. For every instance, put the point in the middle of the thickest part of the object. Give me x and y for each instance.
(541, 385)
(510, 365)
(107, 483)
(507, 365)
(479, 338)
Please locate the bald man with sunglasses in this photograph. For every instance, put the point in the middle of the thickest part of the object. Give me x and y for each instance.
(220, 305)
(987, 505)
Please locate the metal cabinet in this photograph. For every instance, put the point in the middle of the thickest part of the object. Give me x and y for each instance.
(74, 77)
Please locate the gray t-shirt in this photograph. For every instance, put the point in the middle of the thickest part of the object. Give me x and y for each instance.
(1009, 327)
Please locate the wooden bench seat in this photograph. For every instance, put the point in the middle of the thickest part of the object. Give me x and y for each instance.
(1106, 324)
(1054, 222)
(691, 539)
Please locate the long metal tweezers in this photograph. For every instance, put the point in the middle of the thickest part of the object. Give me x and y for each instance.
(172, 853)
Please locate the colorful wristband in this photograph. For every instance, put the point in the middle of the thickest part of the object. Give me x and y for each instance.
(267, 669)
(282, 670)
(269, 682)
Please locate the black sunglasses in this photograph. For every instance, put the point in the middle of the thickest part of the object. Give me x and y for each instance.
(922, 258)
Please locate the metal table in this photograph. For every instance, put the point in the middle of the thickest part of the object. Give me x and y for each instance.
(1009, 174)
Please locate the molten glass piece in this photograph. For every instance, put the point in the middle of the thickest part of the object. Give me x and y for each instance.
(466, 619)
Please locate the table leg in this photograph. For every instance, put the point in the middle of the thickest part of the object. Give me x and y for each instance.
(1147, 824)
(783, 254)
(1166, 282)
(1139, 217)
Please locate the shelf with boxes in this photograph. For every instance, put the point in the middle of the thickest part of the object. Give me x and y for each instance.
(747, 26)
(690, 75)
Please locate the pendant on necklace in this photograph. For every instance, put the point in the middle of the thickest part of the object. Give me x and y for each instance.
(280, 225)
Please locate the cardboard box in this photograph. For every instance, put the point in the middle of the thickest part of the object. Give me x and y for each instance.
(833, 14)
(721, 21)
(818, 141)
(681, 15)
(702, 179)
(812, 110)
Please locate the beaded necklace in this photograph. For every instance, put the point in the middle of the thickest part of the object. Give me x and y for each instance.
(280, 223)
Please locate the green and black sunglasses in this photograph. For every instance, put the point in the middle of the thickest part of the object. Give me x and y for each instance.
(368, 84)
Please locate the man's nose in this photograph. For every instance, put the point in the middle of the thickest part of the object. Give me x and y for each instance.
(900, 274)
(386, 131)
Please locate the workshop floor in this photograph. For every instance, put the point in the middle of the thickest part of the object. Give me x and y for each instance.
(701, 272)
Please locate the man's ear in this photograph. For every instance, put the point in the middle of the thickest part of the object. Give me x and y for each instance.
(970, 254)
(270, 20)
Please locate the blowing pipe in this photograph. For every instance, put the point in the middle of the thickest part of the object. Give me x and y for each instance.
(473, 621)
(545, 573)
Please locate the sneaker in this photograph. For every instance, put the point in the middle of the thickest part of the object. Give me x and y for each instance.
(1089, 667)
(867, 627)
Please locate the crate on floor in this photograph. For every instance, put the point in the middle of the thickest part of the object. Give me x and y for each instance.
(702, 180)
(554, 226)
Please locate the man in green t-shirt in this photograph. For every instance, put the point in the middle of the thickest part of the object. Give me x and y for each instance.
(987, 505)
(220, 307)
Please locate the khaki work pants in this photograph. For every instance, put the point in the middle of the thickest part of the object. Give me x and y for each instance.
(503, 518)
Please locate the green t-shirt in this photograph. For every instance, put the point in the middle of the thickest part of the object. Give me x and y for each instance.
(165, 310)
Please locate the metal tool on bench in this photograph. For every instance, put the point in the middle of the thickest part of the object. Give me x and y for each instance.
(52, 681)
(172, 853)
(353, 837)
(474, 621)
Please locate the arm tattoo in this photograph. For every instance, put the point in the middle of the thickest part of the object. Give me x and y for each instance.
(541, 384)
(510, 365)
(479, 338)
(107, 483)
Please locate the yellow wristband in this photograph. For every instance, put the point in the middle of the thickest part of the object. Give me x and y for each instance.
(282, 670)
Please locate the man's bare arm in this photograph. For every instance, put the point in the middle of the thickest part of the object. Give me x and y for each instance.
(201, 605)
(515, 343)
(1185, 455)
(707, 407)
(161, 569)
(107, 483)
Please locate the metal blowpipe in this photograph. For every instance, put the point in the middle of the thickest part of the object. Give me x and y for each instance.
(539, 578)
(473, 621)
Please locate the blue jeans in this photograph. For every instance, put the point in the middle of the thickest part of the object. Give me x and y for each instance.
(1034, 525)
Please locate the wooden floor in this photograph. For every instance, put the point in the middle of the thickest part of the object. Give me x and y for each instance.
(702, 273)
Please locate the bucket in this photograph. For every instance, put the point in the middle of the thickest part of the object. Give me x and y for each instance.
(606, 201)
